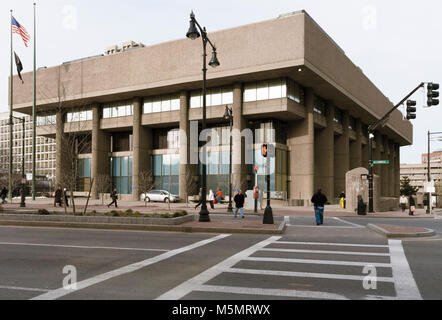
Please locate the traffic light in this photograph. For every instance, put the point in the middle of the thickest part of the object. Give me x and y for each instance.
(433, 94)
(411, 109)
(264, 150)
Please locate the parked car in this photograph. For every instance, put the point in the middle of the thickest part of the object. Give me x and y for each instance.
(159, 196)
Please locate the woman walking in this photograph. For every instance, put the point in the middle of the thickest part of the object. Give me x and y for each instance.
(412, 204)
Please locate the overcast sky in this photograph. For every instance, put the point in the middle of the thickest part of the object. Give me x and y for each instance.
(396, 43)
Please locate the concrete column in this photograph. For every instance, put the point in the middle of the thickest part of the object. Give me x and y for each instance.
(391, 171)
(385, 172)
(356, 147)
(397, 170)
(185, 166)
(59, 161)
(142, 146)
(377, 155)
(239, 174)
(342, 155)
(324, 155)
(301, 140)
(100, 150)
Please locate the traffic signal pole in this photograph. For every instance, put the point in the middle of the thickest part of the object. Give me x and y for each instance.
(371, 130)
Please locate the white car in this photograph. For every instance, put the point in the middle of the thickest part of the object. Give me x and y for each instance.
(159, 196)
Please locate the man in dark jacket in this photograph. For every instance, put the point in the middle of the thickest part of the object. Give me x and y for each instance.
(319, 200)
(114, 197)
(4, 194)
(239, 202)
(57, 197)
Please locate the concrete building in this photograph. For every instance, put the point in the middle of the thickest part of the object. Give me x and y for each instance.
(285, 79)
(418, 175)
(45, 162)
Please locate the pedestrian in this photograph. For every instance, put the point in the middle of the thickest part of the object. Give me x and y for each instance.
(319, 200)
(200, 198)
(239, 203)
(412, 204)
(261, 197)
(66, 197)
(403, 202)
(114, 197)
(212, 199)
(219, 196)
(57, 197)
(4, 194)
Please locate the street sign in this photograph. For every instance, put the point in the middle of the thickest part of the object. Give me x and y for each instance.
(382, 162)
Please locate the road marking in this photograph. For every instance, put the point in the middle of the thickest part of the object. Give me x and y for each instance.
(333, 244)
(305, 275)
(78, 247)
(325, 262)
(197, 282)
(406, 288)
(347, 222)
(320, 227)
(24, 289)
(58, 293)
(328, 252)
(272, 292)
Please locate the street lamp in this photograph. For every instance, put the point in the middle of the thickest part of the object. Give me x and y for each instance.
(228, 115)
(193, 34)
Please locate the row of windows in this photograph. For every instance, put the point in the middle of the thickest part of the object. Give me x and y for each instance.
(119, 109)
(273, 89)
(46, 120)
(79, 116)
(162, 104)
(214, 97)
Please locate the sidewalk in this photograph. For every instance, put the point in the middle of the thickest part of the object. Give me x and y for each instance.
(279, 210)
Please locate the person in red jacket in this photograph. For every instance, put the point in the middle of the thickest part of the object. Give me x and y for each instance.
(219, 196)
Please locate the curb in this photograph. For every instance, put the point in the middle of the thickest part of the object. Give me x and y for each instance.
(396, 235)
(169, 228)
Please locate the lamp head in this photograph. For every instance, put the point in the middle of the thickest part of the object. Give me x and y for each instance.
(193, 32)
(214, 61)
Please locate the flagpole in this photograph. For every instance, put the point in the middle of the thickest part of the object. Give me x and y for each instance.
(11, 83)
(34, 116)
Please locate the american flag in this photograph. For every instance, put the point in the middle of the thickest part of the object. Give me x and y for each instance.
(19, 29)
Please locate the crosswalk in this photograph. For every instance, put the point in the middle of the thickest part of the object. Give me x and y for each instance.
(306, 270)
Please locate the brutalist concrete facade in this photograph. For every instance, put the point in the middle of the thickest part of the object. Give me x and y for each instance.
(322, 142)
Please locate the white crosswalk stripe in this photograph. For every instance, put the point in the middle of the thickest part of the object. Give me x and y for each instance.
(255, 261)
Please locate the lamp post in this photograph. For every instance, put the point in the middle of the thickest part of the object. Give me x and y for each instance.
(228, 115)
(193, 34)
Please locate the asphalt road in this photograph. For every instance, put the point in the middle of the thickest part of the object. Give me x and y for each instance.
(306, 263)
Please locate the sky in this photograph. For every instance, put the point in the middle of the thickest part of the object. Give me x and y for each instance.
(396, 43)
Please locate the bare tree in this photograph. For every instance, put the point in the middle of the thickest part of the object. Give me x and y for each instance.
(103, 183)
(15, 181)
(146, 182)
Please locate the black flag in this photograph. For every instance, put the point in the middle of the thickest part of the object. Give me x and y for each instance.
(19, 66)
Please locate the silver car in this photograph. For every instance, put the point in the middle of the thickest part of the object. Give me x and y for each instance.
(159, 196)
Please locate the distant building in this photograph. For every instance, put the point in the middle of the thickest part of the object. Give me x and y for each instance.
(45, 162)
(418, 175)
(435, 157)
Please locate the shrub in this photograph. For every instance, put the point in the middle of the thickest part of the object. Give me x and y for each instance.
(165, 215)
(129, 211)
(180, 213)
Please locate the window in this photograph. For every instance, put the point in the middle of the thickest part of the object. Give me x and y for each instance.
(162, 104)
(118, 109)
(46, 120)
(83, 174)
(319, 106)
(214, 97)
(166, 170)
(265, 90)
(79, 116)
(121, 173)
